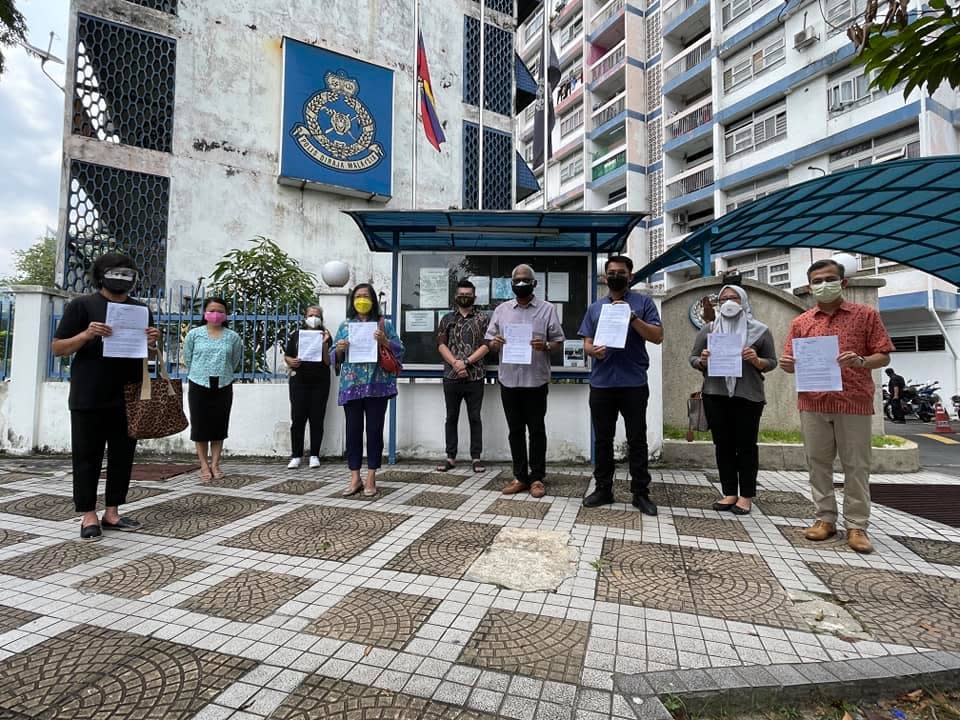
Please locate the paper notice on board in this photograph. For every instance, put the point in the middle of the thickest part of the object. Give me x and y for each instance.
(418, 321)
(502, 289)
(558, 284)
(541, 288)
(559, 309)
(434, 287)
(128, 324)
(482, 283)
(573, 354)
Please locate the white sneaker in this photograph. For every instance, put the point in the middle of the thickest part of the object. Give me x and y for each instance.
(314, 461)
(293, 464)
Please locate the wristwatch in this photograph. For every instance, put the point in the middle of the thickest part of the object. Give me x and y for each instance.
(633, 316)
(861, 361)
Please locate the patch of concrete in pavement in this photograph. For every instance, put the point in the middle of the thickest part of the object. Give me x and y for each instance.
(828, 617)
(527, 560)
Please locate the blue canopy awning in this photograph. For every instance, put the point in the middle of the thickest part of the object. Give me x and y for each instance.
(527, 183)
(526, 85)
(504, 230)
(906, 211)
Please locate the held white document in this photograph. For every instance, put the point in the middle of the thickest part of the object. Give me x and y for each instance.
(129, 326)
(517, 350)
(815, 362)
(363, 346)
(613, 326)
(725, 358)
(310, 345)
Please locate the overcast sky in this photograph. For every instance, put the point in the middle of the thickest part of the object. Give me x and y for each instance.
(31, 131)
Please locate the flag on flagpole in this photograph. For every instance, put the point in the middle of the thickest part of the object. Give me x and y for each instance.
(549, 69)
(428, 108)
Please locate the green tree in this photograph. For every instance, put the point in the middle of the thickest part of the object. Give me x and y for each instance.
(917, 53)
(13, 28)
(262, 282)
(37, 264)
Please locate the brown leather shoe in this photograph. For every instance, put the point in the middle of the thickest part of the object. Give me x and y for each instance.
(858, 540)
(820, 531)
(537, 489)
(515, 487)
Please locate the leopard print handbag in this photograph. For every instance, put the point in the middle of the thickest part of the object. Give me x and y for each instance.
(154, 405)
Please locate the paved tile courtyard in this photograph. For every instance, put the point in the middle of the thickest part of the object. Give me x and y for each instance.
(267, 594)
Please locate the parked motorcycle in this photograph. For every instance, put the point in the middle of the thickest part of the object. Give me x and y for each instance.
(919, 401)
(956, 406)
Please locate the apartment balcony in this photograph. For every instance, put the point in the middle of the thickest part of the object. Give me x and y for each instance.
(687, 18)
(606, 74)
(568, 13)
(616, 206)
(689, 130)
(606, 26)
(688, 73)
(574, 98)
(684, 223)
(608, 118)
(694, 185)
(609, 164)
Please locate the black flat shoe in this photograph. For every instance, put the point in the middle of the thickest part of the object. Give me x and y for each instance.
(90, 532)
(644, 505)
(598, 497)
(737, 510)
(122, 523)
(723, 507)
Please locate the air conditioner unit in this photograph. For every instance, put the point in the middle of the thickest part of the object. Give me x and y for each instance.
(805, 38)
(894, 155)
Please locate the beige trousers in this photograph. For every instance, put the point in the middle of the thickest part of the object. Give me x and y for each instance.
(825, 436)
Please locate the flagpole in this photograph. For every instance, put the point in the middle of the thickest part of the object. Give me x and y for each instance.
(544, 72)
(483, 20)
(416, 102)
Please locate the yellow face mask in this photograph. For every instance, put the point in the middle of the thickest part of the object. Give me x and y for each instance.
(363, 305)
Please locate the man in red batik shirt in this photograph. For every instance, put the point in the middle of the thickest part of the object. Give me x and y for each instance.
(838, 423)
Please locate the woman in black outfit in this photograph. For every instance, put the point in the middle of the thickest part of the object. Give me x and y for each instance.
(309, 388)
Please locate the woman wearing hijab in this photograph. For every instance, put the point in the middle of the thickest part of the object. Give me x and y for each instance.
(733, 405)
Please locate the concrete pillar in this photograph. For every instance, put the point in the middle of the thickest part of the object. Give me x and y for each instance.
(28, 366)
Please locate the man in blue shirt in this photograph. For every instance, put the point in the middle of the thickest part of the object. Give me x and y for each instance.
(618, 386)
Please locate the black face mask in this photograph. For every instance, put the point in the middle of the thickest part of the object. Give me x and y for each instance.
(523, 289)
(115, 285)
(464, 301)
(616, 282)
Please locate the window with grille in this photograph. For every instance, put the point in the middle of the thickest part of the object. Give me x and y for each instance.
(906, 343)
(654, 39)
(571, 31)
(779, 275)
(656, 193)
(124, 85)
(842, 13)
(758, 57)
(897, 145)
(498, 71)
(116, 210)
(654, 87)
(497, 164)
(730, 10)
(931, 343)
(755, 190)
(167, 6)
(761, 128)
(654, 140)
(572, 168)
(500, 6)
(533, 28)
(571, 122)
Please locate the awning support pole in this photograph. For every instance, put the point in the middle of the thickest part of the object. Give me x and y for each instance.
(394, 309)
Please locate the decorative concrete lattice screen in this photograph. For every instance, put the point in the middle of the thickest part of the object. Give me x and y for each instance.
(654, 39)
(497, 170)
(656, 242)
(654, 87)
(654, 140)
(124, 87)
(656, 194)
(167, 6)
(501, 6)
(498, 69)
(116, 210)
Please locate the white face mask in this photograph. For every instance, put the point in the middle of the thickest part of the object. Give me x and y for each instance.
(730, 309)
(827, 291)
(313, 322)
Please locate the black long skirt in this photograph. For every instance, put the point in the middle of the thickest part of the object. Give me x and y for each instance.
(209, 411)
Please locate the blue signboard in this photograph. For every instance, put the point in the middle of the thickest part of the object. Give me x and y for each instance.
(337, 130)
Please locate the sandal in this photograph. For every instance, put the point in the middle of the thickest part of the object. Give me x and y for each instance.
(205, 476)
(219, 474)
(446, 465)
(478, 467)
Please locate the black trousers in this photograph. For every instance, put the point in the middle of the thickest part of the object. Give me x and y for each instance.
(92, 432)
(606, 404)
(525, 410)
(371, 410)
(896, 407)
(453, 394)
(308, 402)
(735, 423)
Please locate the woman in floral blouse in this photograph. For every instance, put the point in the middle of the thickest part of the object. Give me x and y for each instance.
(365, 388)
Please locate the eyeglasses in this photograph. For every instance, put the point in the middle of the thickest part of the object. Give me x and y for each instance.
(120, 274)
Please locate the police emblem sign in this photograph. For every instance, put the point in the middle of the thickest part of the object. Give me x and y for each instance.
(337, 120)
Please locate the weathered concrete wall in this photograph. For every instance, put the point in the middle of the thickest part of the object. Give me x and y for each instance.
(774, 307)
(227, 127)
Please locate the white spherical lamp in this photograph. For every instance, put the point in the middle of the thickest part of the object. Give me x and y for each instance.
(850, 263)
(335, 273)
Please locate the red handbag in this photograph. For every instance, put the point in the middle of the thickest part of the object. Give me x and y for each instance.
(386, 359)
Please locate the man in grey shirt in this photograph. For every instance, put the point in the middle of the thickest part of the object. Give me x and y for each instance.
(523, 387)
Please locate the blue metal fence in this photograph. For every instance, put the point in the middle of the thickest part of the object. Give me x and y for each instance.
(263, 326)
(6, 333)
